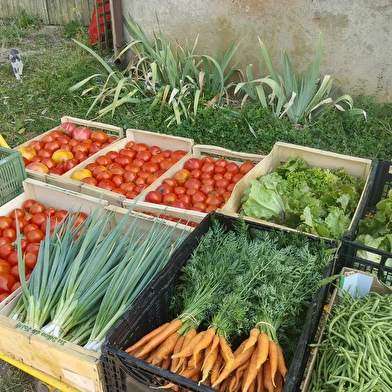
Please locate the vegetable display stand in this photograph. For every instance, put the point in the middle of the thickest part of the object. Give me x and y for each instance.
(151, 139)
(12, 174)
(349, 350)
(124, 372)
(109, 129)
(280, 155)
(199, 152)
(366, 246)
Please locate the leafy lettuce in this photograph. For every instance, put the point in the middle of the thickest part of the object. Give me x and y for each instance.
(309, 199)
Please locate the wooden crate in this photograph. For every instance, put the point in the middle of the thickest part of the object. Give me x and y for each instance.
(199, 151)
(279, 155)
(376, 286)
(65, 361)
(138, 136)
(94, 125)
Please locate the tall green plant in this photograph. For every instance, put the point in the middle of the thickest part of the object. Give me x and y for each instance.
(162, 73)
(303, 97)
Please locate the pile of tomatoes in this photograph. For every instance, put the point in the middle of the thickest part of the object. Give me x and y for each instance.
(129, 170)
(32, 219)
(62, 149)
(203, 184)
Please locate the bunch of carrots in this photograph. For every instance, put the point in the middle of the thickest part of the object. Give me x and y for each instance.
(239, 294)
(205, 357)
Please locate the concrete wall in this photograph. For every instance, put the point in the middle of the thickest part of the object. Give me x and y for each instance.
(357, 34)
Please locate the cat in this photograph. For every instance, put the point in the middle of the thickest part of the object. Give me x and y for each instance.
(17, 63)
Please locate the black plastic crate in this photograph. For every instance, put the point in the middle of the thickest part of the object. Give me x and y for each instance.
(379, 185)
(123, 372)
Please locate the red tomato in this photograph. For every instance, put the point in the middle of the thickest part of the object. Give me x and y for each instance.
(36, 208)
(169, 198)
(98, 170)
(47, 138)
(22, 222)
(52, 146)
(5, 266)
(28, 203)
(192, 183)
(9, 233)
(5, 250)
(221, 170)
(104, 175)
(15, 286)
(122, 160)
(196, 173)
(19, 212)
(29, 227)
(140, 187)
(60, 214)
(210, 208)
(103, 160)
(226, 196)
(246, 167)
(127, 152)
(13, 258)
(128, 186)
(35, 235)
(112, 154)
(198, 197)
(129, 176)
(44, 153)
(140, 147)
(170, 181)
(208, 159)
(221, 162)
(154, 150)
(117, 180)
(180, 204)
(185, 199)
(193, 163)
(106, 184)
(53, 222)
(232, 167)
(99, 136)
(150, 167)
(199, 206)
(119, 190)
(138, 162)
(50, 211)
(131, 195)
(116, 170)
(49, 162)
(39, 218)
(151, 178)
(167, 163)
(33, 247)
(6, 282)
(90, 181)
(37, 144)
(3, 296)
(222, 183)
(154, 197)
(167, 154)
(164, 189)
(157, 158)
(208, 181)
(179, 190)
(144, 155)
(230, 187)
(30, 259)
(4, 240)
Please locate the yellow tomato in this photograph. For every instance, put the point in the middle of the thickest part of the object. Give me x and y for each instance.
(62, 155)
(78, 175)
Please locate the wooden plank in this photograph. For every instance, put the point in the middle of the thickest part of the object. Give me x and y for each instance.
(65, 361)
(13, 8)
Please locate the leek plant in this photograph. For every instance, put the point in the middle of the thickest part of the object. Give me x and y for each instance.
(87, 277)
(163, 74)
(303, 98)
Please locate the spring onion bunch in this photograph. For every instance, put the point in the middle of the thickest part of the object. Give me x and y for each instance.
(86, 277)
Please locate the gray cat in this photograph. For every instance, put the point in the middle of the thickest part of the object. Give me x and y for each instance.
(16, 62)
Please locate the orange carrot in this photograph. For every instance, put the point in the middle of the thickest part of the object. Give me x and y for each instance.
(211, 348)
(225, 349)
(217, 367)
(241, 358)
(166, 348)
(282, 369)
(187, 350)
(141, 342)
(278, 382)
(181, 363)
(263, 344)
(176, 349)
(251, 371)
(193, 361)
(205, 342)
(252, 340)
(236, 380)
(260, 380)
(165, 363)
(273, 358)
(267, 377)
(209, 362)
(151, 355)
(252, 387)
(173, 326)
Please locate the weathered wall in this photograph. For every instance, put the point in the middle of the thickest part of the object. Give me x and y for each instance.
(357, 35)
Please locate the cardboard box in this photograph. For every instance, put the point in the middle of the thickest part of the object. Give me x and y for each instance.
(94, 125)
(355, 282)
(279, 155)
(138, 136)
(199, 151)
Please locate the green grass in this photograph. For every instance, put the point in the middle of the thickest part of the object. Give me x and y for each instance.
(54, 62)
